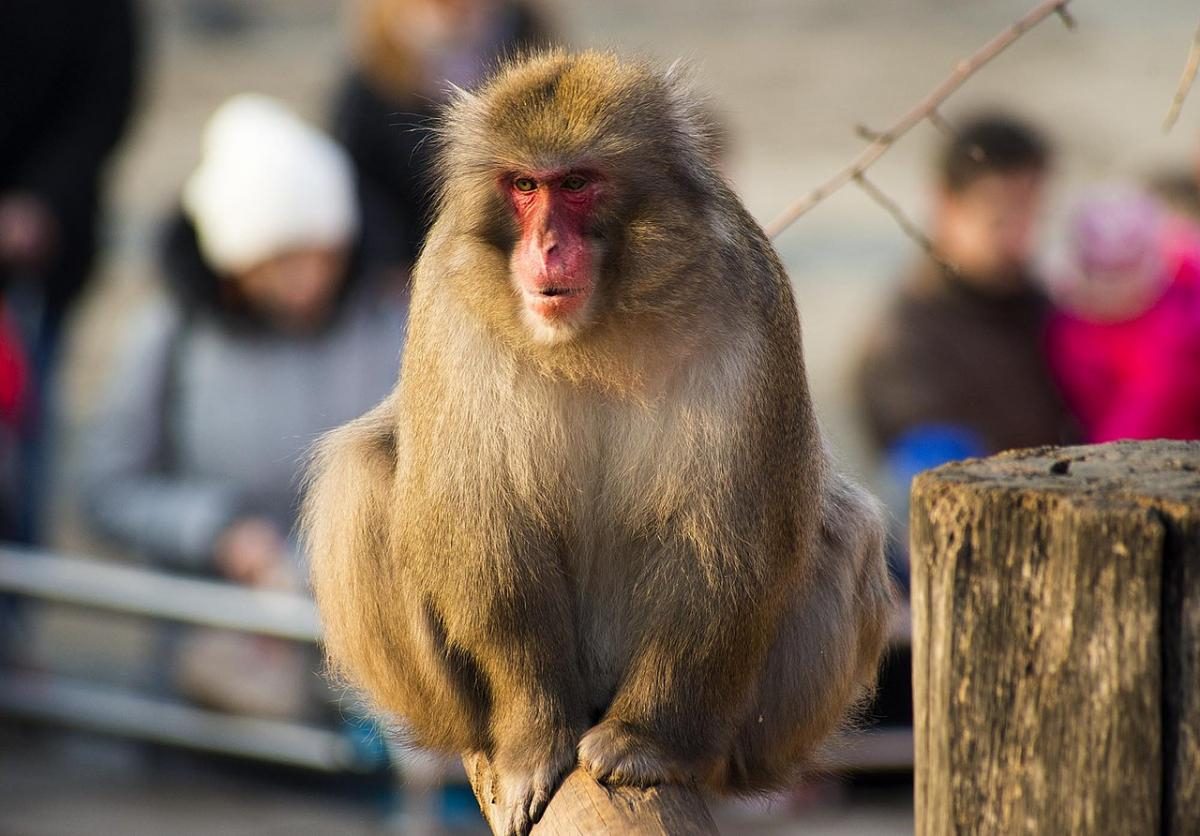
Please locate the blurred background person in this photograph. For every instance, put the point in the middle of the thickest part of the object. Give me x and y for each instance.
(955, 367)
(14, 393)
(407, 54)
(1125, 344)
(1178, 190)
(69, 71)
(277, 324)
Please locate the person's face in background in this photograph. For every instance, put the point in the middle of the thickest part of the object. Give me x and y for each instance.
(296, 289)
(430, 26)
(1117, 267)
(988, 228)
(1116, 292)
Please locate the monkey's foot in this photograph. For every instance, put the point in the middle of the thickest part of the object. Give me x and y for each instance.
(614, 753)
(520, 796)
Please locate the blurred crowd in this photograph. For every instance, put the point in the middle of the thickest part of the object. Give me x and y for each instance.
(284, 266)
(983, 349)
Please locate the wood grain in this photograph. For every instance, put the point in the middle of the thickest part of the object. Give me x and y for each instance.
(1056, 615)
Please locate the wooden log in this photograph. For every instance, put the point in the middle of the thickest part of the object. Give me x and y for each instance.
(583, 806)
(1056, 650)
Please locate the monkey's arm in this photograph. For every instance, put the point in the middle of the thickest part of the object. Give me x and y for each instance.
(504, 618)
(738, 677)
(371, 611)
(824, 660)
(709, 612)
(346, 531)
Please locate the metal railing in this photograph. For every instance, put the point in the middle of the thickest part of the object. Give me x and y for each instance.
(153, 594)
(149, 593)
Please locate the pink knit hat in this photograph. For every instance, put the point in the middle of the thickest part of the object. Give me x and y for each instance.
(1114, 267)
(1116, 229)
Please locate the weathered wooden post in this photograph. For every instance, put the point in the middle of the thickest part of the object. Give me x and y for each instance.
(583, 806)
(1056, 666)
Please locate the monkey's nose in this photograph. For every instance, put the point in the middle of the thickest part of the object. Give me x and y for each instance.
(551, 255)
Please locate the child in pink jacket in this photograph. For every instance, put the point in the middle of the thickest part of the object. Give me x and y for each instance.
(1125, 343)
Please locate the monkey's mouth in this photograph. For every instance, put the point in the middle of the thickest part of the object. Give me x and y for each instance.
(556, 302)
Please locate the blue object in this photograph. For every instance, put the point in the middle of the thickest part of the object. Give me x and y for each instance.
(930, 445)
(921, 448)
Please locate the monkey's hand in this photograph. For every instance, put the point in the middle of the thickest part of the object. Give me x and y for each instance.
(521, 791)
(617, 753)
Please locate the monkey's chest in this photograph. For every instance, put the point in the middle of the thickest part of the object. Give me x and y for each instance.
(601, 576)
(618, 512)
(618, 482)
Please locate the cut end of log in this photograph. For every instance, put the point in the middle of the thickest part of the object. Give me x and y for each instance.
(1136, 471)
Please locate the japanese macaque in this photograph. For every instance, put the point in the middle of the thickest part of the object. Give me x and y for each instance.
(596, 522)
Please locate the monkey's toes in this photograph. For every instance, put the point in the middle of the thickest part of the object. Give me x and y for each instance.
(613, 753)
(523, 797)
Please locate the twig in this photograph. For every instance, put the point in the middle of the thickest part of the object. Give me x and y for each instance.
(869, 134)
(1185, 83)
(938, 121)
(903, 221)
(885, 139)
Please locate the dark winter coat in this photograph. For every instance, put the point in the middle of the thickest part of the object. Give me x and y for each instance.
(946, 354)
(67, 78)
(391, 140)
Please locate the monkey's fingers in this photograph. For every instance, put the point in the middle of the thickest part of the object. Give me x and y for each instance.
(515, 819)
(522, 803)
(524, 797)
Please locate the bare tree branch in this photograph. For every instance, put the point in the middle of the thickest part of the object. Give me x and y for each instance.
(1185, 83)
(869, 134)
(884, 140)
(938, 121)
(903, 221)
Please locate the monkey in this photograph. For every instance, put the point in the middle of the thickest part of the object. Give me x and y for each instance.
(596, 522)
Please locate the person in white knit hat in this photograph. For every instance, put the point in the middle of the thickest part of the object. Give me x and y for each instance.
(282, 317)
(274, 207)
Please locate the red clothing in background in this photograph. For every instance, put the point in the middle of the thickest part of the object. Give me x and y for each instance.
(13, 372)
(1139, 378)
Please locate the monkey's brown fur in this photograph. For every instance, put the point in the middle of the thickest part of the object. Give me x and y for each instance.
(626, 547)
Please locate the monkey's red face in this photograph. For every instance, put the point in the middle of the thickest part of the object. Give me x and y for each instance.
(554, 263)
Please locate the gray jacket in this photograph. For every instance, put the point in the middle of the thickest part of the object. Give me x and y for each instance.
(203, 423)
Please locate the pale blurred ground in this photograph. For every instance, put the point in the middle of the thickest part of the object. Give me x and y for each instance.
(793, 78)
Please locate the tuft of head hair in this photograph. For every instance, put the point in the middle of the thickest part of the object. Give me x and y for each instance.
(553, 108)
(992, 143)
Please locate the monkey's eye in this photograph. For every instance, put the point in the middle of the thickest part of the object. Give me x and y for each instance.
(574, 182)
(524, 184)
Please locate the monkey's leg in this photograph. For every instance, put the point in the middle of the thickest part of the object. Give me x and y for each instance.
(506, 608)
(371, 612)
(691, 705)
(825, 658)
(700, 640)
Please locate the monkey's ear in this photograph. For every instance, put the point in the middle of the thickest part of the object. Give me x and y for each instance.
(698, 119)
